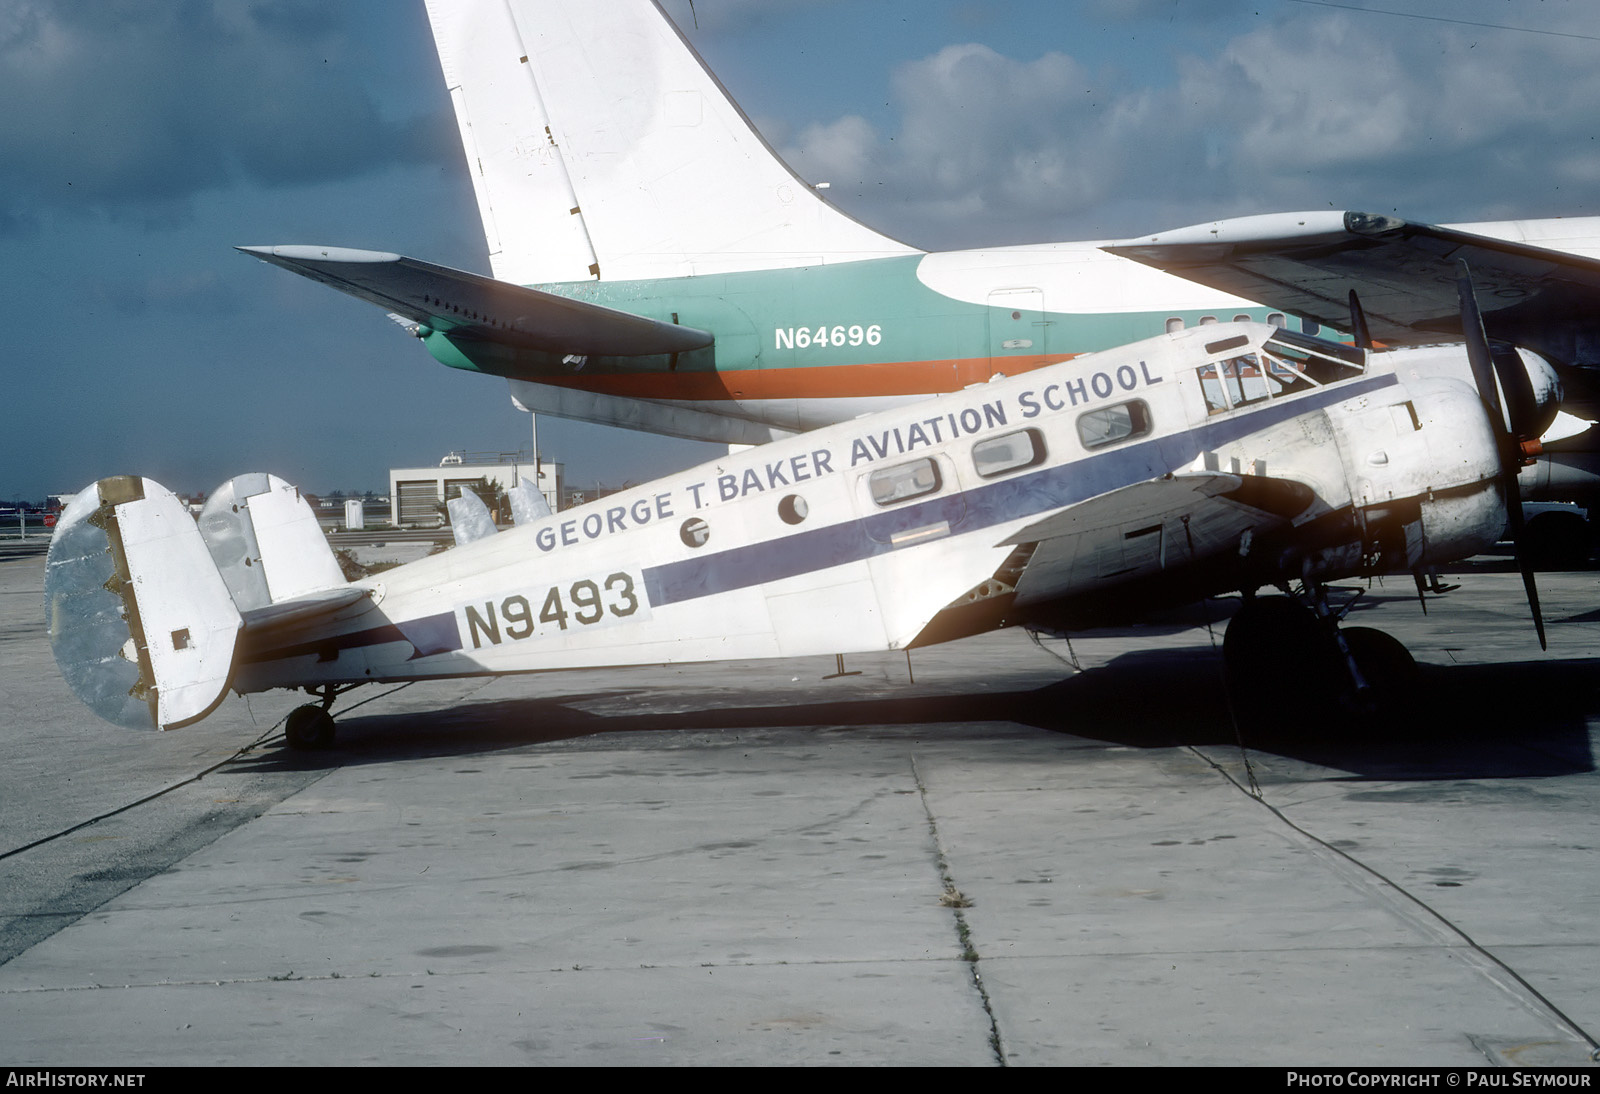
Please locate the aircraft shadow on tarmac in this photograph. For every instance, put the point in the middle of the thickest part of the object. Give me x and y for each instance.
(1513, 720)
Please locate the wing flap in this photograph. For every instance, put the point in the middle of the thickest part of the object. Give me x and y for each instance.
(1152, 529)
(463, 304)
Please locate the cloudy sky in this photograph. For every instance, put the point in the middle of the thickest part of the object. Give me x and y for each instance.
(141, 139)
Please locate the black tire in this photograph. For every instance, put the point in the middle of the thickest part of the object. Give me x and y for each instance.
(1281, 663)
(1388, 668)
(309, 728)
(1555, 541)
(1381, 657)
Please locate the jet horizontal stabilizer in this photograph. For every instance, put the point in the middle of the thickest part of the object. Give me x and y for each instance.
(462, 304)
(1402, 270)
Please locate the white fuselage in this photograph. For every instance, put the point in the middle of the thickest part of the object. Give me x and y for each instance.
(856, 536)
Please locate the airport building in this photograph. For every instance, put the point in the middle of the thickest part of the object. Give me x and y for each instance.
(417, 495)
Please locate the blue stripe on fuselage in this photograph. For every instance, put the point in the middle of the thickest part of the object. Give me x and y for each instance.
(978, 508)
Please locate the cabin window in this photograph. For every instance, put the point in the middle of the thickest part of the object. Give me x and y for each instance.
(793, 509)
(1174, 325)
(1012, 452)
(1241, 318)
(1277, 319)
(892, 485)
(694, 532)
(1207, 320)
(1110, 425)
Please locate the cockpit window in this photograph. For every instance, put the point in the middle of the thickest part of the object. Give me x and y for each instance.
(1287, 342)
(1288, 363)
(1246, 379)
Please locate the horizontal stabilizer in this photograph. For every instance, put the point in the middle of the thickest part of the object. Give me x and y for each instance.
(1402, 271)
(322, 604)
(463, 304)
(141, 623)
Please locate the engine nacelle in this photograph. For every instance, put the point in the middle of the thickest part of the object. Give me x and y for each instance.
(1423, 476)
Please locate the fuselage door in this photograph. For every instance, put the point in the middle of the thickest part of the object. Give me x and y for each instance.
(1017, 327)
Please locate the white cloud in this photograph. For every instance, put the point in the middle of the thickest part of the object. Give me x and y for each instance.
(1316, 109)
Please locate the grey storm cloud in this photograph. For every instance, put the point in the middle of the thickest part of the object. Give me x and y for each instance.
(135, 105)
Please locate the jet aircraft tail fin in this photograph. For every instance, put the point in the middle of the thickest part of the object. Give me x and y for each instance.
(601, 147)
(146, 607)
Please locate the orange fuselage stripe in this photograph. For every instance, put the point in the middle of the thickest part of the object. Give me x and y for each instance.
(816, 382)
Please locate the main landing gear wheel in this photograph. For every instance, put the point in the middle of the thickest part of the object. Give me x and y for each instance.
(1556, 540)
(309, 727)
(1285, 669)
(1280, 662)
(1386, 665)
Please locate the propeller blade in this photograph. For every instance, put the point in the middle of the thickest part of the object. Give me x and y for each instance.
(1478, 354)
(1481, 358)
(1513, 490)
(1358, 323)
(1533, 597)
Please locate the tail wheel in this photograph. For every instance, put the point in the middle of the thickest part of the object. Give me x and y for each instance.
(309, 728)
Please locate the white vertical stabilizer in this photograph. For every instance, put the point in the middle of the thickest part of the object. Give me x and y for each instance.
(600, 146)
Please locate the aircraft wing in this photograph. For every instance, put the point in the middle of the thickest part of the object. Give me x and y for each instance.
(465, 304)
(1167, 530)
(1403, 271)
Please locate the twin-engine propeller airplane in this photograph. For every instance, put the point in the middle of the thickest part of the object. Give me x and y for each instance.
(658, 266)
(1225, 457)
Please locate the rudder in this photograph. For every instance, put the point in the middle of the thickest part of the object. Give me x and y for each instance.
(146, 606)
(140, 622)
(600, 146)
